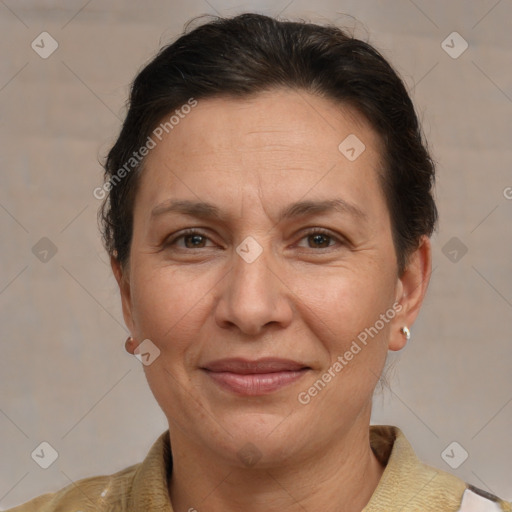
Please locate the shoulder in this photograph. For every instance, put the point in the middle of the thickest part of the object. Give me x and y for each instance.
(409, 484)
(137, 487)
(455, 494)
(98, 494)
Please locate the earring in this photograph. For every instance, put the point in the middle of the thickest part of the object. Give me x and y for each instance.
(405, 330)
(127, 343)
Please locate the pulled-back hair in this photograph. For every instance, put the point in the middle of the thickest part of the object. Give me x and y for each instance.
(241, 56)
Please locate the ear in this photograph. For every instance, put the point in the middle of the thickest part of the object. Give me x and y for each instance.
(122, 277)
(411, 288)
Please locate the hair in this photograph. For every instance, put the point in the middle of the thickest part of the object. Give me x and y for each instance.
(250, 53)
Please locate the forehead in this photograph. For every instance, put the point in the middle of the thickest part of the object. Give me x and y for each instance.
(282, 142)
(267, 119)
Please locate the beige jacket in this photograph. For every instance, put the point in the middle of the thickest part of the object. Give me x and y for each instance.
(406, 485)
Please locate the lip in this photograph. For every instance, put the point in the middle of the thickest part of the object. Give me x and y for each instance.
(257, 377)
(257, 366)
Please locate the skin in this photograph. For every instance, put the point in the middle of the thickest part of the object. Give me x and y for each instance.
(304, 298)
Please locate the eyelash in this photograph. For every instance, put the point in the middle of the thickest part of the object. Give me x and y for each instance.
(310, 232)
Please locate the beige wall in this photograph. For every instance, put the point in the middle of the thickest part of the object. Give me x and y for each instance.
(65, 377)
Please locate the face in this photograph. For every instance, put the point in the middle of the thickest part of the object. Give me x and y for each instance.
(261, 256)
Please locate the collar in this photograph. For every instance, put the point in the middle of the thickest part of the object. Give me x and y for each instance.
(150, 482)
(407, 483)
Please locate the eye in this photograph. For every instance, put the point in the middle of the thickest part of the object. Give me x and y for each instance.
(320, 238)
(193, 239)
(317, 238)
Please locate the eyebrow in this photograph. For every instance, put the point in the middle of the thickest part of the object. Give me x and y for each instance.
(204, 210)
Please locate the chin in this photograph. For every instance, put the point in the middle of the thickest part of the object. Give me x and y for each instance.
(262, 439)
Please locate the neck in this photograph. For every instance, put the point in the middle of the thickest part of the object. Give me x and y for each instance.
(340, 478)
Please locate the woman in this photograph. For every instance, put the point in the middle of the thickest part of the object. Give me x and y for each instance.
(268, 214)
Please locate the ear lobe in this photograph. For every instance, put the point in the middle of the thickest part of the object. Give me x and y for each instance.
(123, 282)
(130, 345)
(411, 289)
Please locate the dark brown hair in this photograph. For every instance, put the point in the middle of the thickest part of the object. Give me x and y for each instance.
(249, 53)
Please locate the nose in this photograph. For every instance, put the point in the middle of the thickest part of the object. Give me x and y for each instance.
(254, 294)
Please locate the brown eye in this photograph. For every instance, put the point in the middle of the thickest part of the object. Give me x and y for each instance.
(320, 239)
(193, 239)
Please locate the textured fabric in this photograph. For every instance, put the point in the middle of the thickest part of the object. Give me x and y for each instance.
(407, 485)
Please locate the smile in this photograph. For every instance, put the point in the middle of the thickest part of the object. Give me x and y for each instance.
(253, 378)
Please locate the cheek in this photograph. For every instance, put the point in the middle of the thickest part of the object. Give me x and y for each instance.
(166, 303)
(345, 301)
(168, 308)
(346, 319)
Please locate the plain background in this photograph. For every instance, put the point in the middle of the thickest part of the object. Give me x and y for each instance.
(65, 377)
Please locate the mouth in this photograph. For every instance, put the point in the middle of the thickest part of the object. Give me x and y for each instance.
(253, 378)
